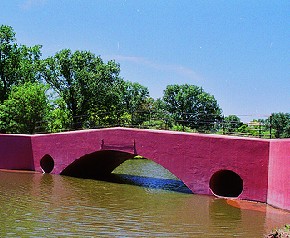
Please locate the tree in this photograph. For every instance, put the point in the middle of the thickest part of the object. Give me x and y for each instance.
(59, 118)
(8, 54)
(83, 80)
(280, 123)
(130, 101)
(18, 64)
(190, 105)
(159, 118)
(135, 96)
(25, 110)
(30, 64)
(232, 123)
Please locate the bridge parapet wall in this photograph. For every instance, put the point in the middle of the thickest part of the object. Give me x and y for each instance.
(16, 152)
(66, 147)
(279, 174)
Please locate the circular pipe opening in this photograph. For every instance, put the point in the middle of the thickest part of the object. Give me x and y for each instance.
(47, 164)
(226, 183)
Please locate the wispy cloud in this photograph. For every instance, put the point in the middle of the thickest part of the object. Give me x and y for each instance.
(173, 68)
(28, 4)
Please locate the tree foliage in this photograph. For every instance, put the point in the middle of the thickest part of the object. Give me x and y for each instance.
(59, 117)
(83, 80)
(280, 123)
(192, 106)
(18, 64)
(25, 110)
(135, 98)
(232, 123)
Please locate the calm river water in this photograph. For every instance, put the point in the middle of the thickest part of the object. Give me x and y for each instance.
(37, 205)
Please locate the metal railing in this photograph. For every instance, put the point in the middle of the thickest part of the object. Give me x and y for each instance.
(249, 126)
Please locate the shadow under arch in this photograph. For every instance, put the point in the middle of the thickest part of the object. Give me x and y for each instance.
(97, 165)
(100, 165)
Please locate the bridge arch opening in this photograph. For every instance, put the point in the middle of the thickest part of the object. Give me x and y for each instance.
(226, 183)
(144, 172)
(47, 163)
(123, 167)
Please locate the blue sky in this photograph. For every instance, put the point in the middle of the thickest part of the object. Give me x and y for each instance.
(237, 50)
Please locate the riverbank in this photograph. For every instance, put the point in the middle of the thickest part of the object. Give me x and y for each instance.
(280, 233)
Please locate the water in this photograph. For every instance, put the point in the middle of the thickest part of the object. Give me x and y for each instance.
(37, 205)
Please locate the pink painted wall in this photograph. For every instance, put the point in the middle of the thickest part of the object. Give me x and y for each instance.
(279, 174)
(193, 158)
(15, 152)
(65, 148)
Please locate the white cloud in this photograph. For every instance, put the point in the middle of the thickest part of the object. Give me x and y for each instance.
(173, 68)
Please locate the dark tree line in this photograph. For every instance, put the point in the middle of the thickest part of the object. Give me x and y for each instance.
(75, 90)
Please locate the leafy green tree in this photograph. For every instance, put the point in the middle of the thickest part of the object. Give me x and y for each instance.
(159, 118)
(84, 81)
(30, 64)
(134, 96)
(18, 64)
(280, 123)
(25, 110)
(231, 123)
(8, 59)
(111, 112)
(191, 106)
(244, 129)
(59, 118)
(136, 101)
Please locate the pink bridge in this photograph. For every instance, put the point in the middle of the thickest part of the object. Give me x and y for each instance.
(252, 169)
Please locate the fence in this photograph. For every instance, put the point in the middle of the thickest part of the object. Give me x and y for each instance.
(239, 125)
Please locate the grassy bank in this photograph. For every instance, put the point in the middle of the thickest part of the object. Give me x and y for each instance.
(280, 233)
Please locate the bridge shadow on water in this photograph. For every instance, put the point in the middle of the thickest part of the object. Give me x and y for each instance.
(148, 182)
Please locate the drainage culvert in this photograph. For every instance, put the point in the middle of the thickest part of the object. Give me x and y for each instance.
(226, 183)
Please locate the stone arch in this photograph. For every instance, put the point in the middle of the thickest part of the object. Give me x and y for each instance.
(226, 183)
(47, 163)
